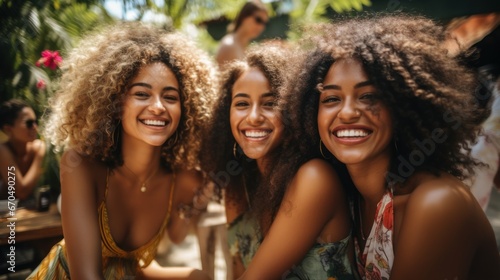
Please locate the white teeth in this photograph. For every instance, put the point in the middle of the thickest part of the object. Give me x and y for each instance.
(154, 122)
(352, 133)
(256, 133)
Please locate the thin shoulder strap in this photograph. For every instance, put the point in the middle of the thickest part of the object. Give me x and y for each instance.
(106, 186)
(171, 198)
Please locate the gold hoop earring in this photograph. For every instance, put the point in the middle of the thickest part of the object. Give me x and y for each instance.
(234, 150)
(321, 150)
(171, 144)
(396, 145)
(113, 134)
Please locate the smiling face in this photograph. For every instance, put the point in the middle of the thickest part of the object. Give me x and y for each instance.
(152, 107)
(353, 123)
(255, 123)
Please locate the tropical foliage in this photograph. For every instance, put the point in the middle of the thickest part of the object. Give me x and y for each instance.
(34, 34)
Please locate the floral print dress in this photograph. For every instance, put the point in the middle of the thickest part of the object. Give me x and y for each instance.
(323, 261)
(378, 256)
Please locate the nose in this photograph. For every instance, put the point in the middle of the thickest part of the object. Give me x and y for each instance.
(157, 107)
(349, 112)
(255, 116)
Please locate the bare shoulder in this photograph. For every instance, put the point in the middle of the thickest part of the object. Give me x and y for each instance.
(228, 50)
(5, 152)
(443, 199)
(317, 177)
(79, 168)
(317, 171)
(227, 41)
(444, 191)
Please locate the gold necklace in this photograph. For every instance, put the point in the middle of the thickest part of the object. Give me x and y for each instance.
(143, 185)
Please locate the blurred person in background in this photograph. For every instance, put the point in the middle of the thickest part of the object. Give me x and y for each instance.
(248, 25)
(487, 148)
(22, 151)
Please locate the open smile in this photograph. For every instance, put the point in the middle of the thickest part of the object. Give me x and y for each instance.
(154, 123)
(257, 134)
(351, 135)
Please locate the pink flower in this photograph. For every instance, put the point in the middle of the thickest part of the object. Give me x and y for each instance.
(50, 59)
(41, 84)
(388, 216)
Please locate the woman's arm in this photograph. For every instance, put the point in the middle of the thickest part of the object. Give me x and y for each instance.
(314, 198)
(438, 236)
(24, 182)
(233, 211)
(187, 183)
(80, 216)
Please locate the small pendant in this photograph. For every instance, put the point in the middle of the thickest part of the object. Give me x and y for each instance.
(143, 188)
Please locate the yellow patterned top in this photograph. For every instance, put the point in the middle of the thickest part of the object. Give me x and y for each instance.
(116, 262)
(143, 255)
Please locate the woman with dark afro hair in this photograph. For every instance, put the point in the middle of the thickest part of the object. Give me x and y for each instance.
(286, 209)
(398, 112)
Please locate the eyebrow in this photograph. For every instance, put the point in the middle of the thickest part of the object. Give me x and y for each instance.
(150, 87)
(267, 94)
(358, 85)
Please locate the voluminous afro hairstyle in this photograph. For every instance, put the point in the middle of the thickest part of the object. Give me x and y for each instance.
(235, 173)
(86, 109)
(427, 91)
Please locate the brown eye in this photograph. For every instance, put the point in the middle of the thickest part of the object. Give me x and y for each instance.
(330, 99)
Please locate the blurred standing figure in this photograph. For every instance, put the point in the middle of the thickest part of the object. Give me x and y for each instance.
(487, 150)
(22, 150)
(248, 25)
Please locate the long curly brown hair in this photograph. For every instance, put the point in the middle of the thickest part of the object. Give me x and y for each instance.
(426, 90)
(234, 174)
(86, 109)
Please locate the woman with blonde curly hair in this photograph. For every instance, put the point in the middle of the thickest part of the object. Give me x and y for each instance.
(287, 212)
(383, 96)
(128, 113)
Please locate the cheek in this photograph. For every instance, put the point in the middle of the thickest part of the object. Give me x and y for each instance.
(235, 117)
(325, 119)
(175, 112)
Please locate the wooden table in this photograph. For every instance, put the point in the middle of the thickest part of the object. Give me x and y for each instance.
(40, 230)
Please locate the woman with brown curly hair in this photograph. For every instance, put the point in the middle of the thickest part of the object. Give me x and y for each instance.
(286, 209)
(128, 113)
(398, 112)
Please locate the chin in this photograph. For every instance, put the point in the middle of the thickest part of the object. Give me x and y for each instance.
(156, 142)
(254, 154)
(350, 158)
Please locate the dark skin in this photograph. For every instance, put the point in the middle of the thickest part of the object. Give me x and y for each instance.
(314, 206)
(24, 152)
(233, 45)
(134, 217)
(440, 231)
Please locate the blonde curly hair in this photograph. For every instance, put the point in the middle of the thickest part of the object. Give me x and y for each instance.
(86, 109)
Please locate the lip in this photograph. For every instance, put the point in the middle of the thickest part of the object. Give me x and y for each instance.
(353, 140)
(256, 139)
